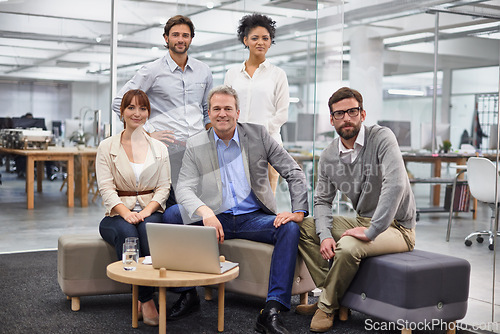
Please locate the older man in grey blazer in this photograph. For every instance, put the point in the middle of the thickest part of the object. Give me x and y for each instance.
(224, 183)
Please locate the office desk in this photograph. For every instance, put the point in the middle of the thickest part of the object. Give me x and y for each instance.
(55, 154)
(86, 158)
(436, 160)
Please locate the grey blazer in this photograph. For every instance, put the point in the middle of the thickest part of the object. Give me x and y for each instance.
(200, 180)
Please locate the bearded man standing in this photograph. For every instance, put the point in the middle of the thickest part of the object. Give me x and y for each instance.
(177, 86)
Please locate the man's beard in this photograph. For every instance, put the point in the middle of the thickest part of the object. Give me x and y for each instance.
(174, 50)
(348, 134)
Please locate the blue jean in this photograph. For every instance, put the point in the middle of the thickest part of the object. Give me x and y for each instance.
(258, 226)
(115, 229)
(176, 214)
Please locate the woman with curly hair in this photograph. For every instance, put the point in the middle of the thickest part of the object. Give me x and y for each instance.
(261, 86)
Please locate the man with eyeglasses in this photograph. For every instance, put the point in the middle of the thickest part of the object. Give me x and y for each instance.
(365, 164)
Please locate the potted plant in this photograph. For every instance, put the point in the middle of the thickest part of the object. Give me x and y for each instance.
(445, 148)
(80, 138)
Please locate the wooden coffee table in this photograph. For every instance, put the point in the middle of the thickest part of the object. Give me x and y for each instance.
(146, 275)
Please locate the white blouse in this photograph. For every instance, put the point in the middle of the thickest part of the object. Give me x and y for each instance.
(137, 168)
(264, 98)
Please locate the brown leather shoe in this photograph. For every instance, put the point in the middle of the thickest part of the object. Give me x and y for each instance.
(306, 309)
(321, 322)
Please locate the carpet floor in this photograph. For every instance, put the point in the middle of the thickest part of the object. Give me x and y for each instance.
(32, 302)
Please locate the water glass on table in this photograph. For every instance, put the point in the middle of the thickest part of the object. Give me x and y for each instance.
(130, 255)
(134, 240)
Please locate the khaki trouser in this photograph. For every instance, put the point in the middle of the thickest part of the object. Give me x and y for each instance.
(273, 178)
(349, 252)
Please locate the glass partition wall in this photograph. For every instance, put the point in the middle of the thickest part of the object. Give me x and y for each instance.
(425, 68)
(308, 46)
(435, 88)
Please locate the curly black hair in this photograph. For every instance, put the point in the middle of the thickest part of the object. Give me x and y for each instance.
(248, 22)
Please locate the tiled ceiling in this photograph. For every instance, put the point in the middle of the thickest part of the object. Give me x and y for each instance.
(69, 40)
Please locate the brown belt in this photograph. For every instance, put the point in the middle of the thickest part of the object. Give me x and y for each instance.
(134, 193)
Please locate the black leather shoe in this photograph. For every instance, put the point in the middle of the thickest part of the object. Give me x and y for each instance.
(187, 303)
(270, 323)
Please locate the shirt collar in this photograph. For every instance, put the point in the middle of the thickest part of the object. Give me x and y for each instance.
(173, 65)
(236, 138)
(265, 64)
(360, 141)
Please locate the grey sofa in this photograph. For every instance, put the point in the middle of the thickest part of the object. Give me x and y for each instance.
(82, 260)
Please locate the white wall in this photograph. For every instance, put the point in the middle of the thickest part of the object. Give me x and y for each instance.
(43, 99)
(84, 96)
(91, 96)
(465, 84)
(417, 110)
(475, 80)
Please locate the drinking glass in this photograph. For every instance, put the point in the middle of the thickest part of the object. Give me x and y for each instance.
(130, 255)
(134, 240)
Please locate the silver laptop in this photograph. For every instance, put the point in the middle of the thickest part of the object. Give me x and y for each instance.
(185, 248)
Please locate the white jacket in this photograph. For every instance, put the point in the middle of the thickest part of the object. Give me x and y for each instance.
(114, 173)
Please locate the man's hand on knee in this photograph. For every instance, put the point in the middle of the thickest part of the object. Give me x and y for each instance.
(209, 219)
(357, 232)
(285, 217)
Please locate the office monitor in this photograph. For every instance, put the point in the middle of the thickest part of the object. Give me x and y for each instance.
(288, 132)
(26, 123)
(442, 133)
(305, 127)
(402, 131)
(57, 128)
(6, 123)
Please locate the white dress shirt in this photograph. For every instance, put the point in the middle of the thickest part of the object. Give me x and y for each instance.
(178, 98)
(348, 155)
(264, 97)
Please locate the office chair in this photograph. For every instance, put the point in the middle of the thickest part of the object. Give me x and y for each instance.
(481, 176)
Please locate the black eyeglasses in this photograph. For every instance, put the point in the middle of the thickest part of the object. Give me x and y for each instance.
(339, 114)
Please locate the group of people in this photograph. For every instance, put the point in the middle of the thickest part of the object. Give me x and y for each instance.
(193, 154)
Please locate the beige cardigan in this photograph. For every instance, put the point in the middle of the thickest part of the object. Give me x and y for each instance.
(114, 173)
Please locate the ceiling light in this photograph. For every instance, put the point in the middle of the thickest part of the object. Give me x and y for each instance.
(210, 5)
(294, 100)
(407, 92)
(71, 64)
(475, 27)
(406, 38)
(97, 39)
(208, 55)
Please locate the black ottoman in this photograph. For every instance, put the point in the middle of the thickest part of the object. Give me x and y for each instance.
(412, 288)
